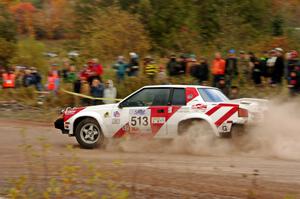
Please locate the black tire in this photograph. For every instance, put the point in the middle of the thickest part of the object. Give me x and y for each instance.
(88, 134)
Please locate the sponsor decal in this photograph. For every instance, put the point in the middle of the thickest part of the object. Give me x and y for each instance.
(201, 107)
(190, 96)
(225, 127)
(116, 121)
(116, 114)
(158, 120)
(139, 121)
(140, 112)
(70, 112)
(148, 131)
(184, 110)
(170, 109)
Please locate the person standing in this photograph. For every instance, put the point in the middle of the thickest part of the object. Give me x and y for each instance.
(278, 67)
(56, 74)
(256, 69)
(51, 82)
(263, 64)
(9, 79)
(173, 66)
(85, 90)
(270, 68)
(150, 67)
(71, 75)
(218, 69)
(231, 70)
(183, 63)
(97, 91)
(37, 79)
(110, 92)
(120, 67)
(27, 79)
(133, 65)
(244, 68)
(200, 71)
(293, 73)
(94, 70)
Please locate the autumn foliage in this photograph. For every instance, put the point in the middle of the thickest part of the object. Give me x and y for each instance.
(24, 15)
(106, 28)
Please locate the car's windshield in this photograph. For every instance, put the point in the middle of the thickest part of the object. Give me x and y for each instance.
(212, 95)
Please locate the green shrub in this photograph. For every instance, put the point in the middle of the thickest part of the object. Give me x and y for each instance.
(30, 53)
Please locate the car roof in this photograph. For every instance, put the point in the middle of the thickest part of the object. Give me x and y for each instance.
(176, 86)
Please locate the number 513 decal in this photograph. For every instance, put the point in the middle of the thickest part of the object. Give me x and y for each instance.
(139, 121)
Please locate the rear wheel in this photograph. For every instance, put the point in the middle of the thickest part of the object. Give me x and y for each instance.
(195, 129)
(88, 134)
(195, 137)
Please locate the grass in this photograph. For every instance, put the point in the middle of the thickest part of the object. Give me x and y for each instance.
(68, 178)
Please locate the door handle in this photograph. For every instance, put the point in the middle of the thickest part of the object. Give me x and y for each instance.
(160, 110)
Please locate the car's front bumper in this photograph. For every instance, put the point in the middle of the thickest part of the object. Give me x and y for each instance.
(59, 124)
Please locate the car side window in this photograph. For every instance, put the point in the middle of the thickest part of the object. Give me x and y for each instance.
(178, 97)
(149, 97)
(212, 95)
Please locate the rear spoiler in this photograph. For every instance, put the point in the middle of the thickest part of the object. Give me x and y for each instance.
(249, 101)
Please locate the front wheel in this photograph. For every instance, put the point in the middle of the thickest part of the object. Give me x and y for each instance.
(88, 134)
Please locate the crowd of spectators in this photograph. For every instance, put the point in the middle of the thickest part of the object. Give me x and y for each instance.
(238, 70)
(228, 73)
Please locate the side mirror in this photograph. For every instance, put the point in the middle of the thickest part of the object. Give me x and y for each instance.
(120, 106)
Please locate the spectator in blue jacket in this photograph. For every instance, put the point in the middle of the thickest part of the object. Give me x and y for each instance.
(97, 91)
(120, 67)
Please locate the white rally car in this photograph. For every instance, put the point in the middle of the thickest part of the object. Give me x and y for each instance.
(159, 112)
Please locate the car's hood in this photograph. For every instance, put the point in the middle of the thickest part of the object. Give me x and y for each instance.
(104, 106)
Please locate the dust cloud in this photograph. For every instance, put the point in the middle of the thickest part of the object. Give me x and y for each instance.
(278, 136)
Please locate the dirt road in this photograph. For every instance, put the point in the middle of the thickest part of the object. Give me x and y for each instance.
(160, 173)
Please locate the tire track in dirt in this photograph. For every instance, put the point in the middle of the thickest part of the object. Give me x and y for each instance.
(158, 174)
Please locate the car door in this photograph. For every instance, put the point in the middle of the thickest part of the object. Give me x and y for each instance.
(176, 111)
(143, 114)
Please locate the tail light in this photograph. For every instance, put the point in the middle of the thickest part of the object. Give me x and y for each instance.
(243, 112)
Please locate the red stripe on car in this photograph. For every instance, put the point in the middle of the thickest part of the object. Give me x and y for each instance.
(122, 131)
(154, 113)
(217, 107)
(226, 116)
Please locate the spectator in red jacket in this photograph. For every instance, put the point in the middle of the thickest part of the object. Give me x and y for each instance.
(93, 70)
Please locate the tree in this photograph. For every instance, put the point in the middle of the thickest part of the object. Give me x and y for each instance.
(85, 10)
(7, 51)
(30, 53)
(114, 32)
(7, 25)
(277, 26)
(7, 36)
(54, 20)
(23, 13)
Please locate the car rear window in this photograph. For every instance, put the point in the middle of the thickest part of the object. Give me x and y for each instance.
(212, 95)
